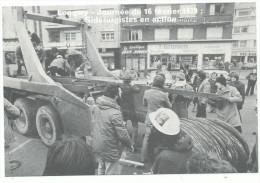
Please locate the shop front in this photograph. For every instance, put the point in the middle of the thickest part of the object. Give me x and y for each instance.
(244, 57)
(199, 55)
(110, 57)
(134, 56)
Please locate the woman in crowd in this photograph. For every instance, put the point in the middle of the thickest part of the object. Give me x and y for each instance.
(227, 109)
(69, 156)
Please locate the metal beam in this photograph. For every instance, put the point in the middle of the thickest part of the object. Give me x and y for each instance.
(54, 19)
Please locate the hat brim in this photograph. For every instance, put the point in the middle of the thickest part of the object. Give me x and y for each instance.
(167, 127)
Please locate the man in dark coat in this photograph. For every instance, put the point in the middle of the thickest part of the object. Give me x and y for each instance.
(109, 131)
(127, 104)
(240, 88)
(252, 77)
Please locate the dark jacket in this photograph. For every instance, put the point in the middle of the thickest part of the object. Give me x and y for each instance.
(154, 99)
(241, 89)
(108, 130)
(213, 87)
(170, 158)
(127, 98)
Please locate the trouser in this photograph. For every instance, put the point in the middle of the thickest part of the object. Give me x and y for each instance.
(108, 168)
(19, 70)
(238, 128)
(144, 150)
(250, 87)
(132, 117)
(201, 111)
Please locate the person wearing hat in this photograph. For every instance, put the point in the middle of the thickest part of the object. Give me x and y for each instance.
(240, 88)
(153, 99)
(228, 111)
(169, 147)
(203, 88)
(127, 104)
(59, 66)
(181, 103)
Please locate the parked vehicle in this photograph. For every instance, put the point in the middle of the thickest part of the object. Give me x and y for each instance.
(249, 65)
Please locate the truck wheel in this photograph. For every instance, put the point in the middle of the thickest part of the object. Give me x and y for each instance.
(48, 124)
(25, 124)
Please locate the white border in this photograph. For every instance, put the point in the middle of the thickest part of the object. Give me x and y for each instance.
(223, 178)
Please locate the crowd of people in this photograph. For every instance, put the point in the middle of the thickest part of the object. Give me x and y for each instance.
(166, 147)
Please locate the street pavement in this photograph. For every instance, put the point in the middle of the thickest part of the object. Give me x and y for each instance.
(32, 152)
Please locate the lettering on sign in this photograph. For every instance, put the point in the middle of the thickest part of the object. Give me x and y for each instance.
(134, 49)
(174, 46)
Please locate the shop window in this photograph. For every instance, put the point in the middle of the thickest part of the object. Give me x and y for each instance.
(135, 12)
(243, 13)
(185, 33)
(243, 43)
(214, 32)
(70, 36)
(254, 43)
(163, 11)
(161, 34)
(54, 36)
(216, 9)
(212, 61)
(188, 10)
(135, 35)
(108, 36)
(235, 44)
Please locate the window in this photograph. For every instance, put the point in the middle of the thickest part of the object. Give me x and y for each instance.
(243, 43)
(135, 13)
(214, 32)
(236, 29)
(108, 36)
(216, 9)
(70, 36)
(163, 11)
(135, 35)
(162, 34)
(235, 44)
(53, 12)
(243, 29)
(107, 12)
(188, 10)
(185, 33)
(254, 43)
(243, 13)
(54, 36)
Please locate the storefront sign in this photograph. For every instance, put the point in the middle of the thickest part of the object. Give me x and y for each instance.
(134, 49)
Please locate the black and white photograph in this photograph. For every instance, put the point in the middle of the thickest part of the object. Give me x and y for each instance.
(93, 89)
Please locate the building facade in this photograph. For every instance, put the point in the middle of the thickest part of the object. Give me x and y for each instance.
(105, 35)
(198, 35)
(244, 33)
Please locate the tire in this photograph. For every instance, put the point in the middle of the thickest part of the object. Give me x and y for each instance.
(25, 124)
(48, 124)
